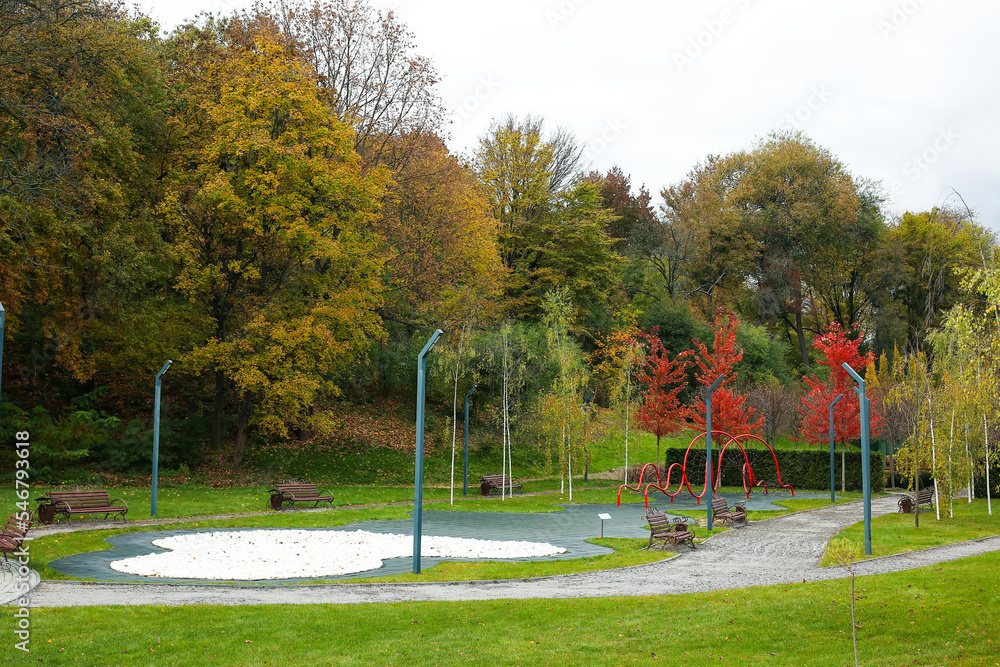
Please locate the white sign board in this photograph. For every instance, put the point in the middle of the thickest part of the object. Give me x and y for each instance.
(604, 517)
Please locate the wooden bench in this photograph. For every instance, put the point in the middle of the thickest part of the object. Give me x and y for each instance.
(674, 533)
(925, 496)
(299, 493)
(497, 484)
(12, 537)
(69, 503)
(723, 513)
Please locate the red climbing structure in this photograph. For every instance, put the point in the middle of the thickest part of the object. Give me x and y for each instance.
(750, 480)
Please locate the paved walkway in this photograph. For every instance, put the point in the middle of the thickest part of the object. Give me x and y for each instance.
(776, 551)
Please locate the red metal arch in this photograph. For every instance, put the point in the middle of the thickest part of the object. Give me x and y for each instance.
(749, 480)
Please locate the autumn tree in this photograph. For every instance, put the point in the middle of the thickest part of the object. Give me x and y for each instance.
(935, 248)
(696, 249)
(836, 349)
(369, 69)
(438, 240)
(82, 134)
(633, 212)
(794, 199)
(730, 411)
(665, 377)
(551, 223)
(268, 210)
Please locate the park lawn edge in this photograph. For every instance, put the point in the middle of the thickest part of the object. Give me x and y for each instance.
(940, 599)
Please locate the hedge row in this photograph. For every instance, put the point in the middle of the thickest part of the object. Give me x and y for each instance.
(803, 469)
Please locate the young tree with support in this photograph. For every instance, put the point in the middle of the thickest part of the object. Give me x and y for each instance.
(618, 362)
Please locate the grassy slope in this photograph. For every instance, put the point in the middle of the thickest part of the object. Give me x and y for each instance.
(927, 616)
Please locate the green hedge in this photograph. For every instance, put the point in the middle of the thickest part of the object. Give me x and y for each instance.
(803, 469)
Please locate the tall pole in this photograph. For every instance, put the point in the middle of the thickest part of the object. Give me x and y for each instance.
(708, 445)
(156, 433)
(465, 478)
(586, 451)
(418, 479)
(866, 476)
(832, 466)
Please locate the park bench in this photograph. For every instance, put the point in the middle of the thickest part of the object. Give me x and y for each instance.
(12, 537)
(925, 496)
(69, 503)
(723, 513)
(299, 493)
(663, 530)
(497, 484)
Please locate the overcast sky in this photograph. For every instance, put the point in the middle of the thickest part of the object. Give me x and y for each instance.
(903, 91)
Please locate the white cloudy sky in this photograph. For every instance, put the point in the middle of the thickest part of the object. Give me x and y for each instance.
(903, 91)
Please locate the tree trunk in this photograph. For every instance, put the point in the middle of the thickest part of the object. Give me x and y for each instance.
(241, 434)
(803, 353)
(220, 406)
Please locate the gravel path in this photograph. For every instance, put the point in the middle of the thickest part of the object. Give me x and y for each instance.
(776, 551)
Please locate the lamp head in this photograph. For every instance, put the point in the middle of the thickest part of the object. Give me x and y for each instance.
(430, 343)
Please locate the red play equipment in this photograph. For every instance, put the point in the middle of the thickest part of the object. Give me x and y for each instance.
(749, 480)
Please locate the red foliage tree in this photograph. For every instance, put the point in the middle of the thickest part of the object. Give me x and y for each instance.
(730, 412)
(837, 349)
(661, 411)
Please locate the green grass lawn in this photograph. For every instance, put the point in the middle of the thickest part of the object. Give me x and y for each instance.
(931, 616)
(193, 500)
(895, 533)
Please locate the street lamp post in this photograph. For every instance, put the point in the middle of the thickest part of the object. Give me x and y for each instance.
(465, 478)
(832, 482)
(586, 421)
(156, 433)
(866, 476)
(708, 445)
(418, 480)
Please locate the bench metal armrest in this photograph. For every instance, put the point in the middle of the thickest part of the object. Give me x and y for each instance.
(326, 491)
(119, 500)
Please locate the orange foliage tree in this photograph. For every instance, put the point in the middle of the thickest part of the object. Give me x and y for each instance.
(730, 413)
(662, 411)
(837, 349)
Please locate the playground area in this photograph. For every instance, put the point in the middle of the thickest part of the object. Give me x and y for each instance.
(741, 461)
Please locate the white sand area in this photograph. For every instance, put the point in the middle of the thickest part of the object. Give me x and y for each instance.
(250, 555)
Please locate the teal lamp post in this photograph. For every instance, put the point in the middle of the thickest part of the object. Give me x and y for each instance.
(465, 477)
(866, 473)
(832, 480)
(156, 433)
(418, 479)
(708, 445)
